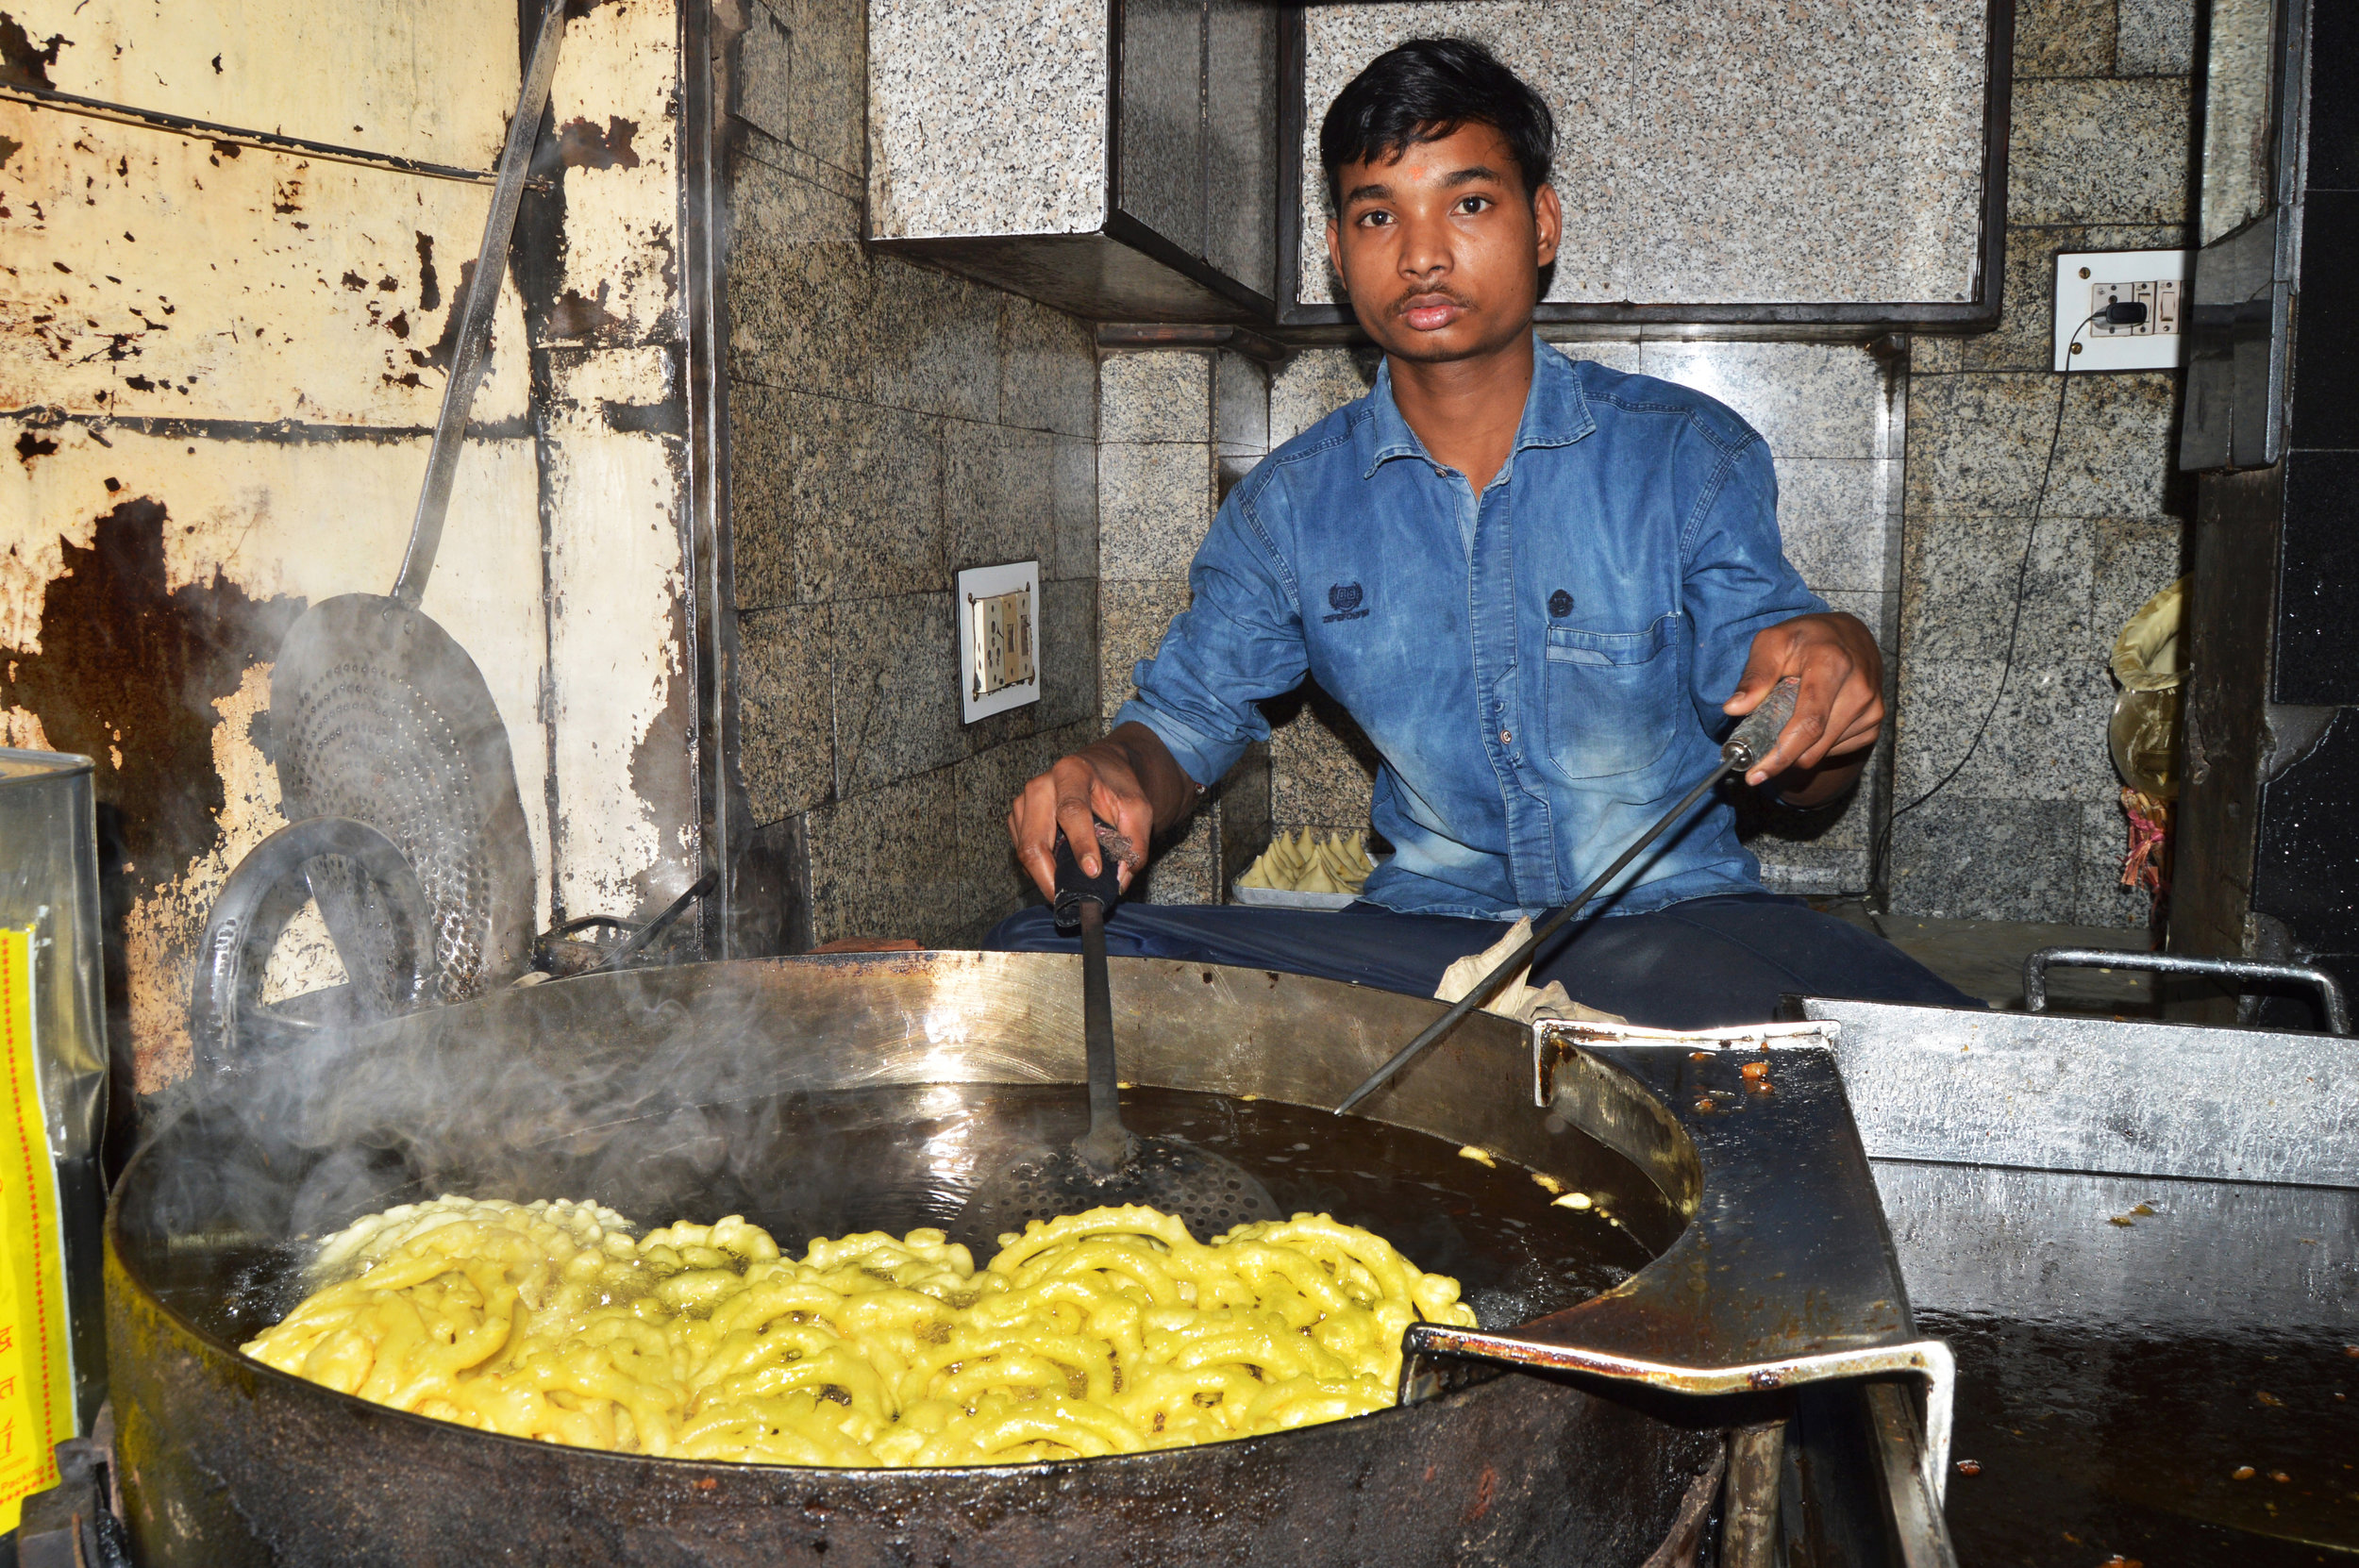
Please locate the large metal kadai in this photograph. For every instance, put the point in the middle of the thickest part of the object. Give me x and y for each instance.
(757, 1087)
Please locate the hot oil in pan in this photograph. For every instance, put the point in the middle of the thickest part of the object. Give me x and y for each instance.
(898, 1158)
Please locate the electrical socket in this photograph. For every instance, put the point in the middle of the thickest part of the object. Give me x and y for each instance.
(2087, 281)
(999, 651)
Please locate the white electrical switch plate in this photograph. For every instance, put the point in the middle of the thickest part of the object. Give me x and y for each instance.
(2087, 281)
(998, 638)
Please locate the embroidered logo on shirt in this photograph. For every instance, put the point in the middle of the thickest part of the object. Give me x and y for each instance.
(1344, 597)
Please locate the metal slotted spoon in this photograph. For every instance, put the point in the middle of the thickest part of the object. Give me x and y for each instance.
(1110, 1165)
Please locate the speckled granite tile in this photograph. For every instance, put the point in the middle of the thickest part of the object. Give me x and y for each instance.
(2098, 152)
(1322, 767)
(2063, 38)
(1068, 641)
(1162, 119)
(761, 74)
(1240, 407)
(992, 884)
(1958, 588)
(1976, 443)
(1186, 867)
(1809, 869)
(896, 681)
(866, 499)
(2045, 739)
(1964, 858)
(1153, 506)
(1831, 522)
(1879, 612)
(2118, 456)
(1132, 620)
(827, 96)
(1316, 383)
(1240, 158)
(998, 494)
(762, 507)
(1242, 797)
(1624, 357)
(886, 863)
(786, 703)
(1073, 500)
(1047, 369)
(800, 290)
(1155, 396)
(2104, 844)
(940, 86)
(1808, 400)
(2136, 560)
(935, 339)
(2158, 38)
(1830, 171)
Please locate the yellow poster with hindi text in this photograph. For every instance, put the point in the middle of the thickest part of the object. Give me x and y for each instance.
(36, 1382)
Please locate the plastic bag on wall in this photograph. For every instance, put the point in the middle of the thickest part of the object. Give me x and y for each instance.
(2143, 734)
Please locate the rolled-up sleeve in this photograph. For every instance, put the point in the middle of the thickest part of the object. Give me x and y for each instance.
(1239, 641)
(1737, 582)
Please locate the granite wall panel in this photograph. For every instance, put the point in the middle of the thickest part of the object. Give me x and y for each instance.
(889, 426)
(1709, 152)
(2008, 734)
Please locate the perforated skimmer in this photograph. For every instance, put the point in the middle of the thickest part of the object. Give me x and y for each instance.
(1110, 1165)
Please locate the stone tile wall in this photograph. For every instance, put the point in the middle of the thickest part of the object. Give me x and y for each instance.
(2028, 826)
(889, 426)
(1177, 428)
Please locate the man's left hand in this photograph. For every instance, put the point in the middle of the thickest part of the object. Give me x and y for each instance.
(1838, 712)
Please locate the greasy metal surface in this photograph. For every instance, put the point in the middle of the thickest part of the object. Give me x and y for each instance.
(2093, 1094)
(1785, 1273)
(2330, 990)
(229, 1462)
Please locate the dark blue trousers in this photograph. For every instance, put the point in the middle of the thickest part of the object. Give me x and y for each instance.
(1693, 965)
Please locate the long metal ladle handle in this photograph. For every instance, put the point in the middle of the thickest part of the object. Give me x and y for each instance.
(1753, 741)
(470, 355)
(1081, 900)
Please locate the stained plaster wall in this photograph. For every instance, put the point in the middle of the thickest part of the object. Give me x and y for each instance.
(889, 426)
(2030, 829)
(219, 368)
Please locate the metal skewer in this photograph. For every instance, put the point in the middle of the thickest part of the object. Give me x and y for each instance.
(1753, 741)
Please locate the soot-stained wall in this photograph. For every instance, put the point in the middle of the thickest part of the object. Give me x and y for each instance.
(889, 426)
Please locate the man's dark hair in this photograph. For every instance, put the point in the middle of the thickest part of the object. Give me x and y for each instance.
(1425, 89)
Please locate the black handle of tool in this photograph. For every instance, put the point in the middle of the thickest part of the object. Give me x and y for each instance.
(1754, 738)
(1081, 902)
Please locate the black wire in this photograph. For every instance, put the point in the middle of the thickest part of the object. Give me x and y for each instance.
(2015, 620)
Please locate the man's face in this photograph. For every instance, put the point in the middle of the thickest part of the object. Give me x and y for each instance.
(1441, 248)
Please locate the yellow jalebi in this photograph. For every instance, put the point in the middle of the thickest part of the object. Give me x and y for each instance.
(1098, 1333)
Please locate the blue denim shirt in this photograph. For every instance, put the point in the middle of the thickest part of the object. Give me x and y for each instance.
(1541, 667)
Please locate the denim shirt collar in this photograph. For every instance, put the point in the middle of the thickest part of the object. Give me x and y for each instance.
(1555, 413)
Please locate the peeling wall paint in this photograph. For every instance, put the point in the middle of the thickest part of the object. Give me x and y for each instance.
(218, 369)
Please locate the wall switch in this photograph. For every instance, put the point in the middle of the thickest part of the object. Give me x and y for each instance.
(2088, 282)
(999, 652)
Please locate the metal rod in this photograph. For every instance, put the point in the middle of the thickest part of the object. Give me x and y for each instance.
(471, 345)
(269, 142)
(1514, 961)
(1107, 1144)
(1754, 738)
(2330, 991)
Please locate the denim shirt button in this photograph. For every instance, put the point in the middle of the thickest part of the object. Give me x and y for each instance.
(1507, 737)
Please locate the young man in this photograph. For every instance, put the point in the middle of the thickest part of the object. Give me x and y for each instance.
(1544, 589)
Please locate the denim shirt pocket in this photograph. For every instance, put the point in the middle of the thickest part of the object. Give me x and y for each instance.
(1612, 698)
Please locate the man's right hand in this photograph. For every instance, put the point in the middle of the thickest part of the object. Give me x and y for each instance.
(1128, 781)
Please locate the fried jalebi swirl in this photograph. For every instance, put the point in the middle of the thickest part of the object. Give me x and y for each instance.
(1105, 1332)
